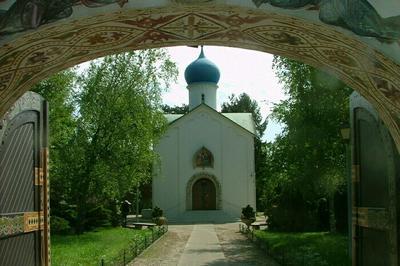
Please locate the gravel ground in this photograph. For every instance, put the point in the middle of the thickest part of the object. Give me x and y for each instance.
(237, 249)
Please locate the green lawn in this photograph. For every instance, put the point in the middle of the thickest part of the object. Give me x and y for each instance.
(311, 249)
(90, 247)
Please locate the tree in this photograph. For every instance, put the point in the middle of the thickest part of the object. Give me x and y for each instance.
(306, 162)
(118, 123)
(182, 110)
(58, 91)
(108, 149)
(244, 104)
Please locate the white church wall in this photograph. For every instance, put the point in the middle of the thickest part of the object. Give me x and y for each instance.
(232, 148)
(199, 130)
(166, 178)
(238, 170)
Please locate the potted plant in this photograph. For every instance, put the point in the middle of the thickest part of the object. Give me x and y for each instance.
(158, 217)
(248, 215)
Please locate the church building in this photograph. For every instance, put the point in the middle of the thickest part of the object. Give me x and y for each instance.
(206, 164)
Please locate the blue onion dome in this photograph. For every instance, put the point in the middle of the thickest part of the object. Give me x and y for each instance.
(202, 70)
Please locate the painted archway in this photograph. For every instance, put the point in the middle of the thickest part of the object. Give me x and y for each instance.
(364, 55)
(190, 188)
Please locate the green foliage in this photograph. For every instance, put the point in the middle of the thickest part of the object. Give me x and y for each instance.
(119, 122)
(58, 91)
(305, 164)
(248, 212)
(104, 123)
(314, 249)
(89, 248)
(244, 104)
(292, 215)
(98, 216)
(157, 212)
(183, 109)
(59, 225)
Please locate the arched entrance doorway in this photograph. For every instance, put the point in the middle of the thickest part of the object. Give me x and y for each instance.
(204, 195)
(211, 185)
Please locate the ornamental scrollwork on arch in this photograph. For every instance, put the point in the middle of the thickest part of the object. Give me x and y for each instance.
(358, 16)
(203, 158)
(24, 15)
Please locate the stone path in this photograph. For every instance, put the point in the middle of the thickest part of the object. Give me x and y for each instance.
(168, 249)
(206, 244)
(203, 247)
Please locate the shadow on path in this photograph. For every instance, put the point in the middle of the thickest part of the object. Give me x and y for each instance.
(229, 248)
(238, 250)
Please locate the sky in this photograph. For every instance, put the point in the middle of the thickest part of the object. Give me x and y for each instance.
(241, 71)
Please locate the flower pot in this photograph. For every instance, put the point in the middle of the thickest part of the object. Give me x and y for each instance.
(160, 220)
(247, 220)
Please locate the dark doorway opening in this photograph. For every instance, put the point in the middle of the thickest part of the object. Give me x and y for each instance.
(204, 195)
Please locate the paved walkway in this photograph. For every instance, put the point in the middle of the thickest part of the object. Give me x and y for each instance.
(205, 244)
(203, 247)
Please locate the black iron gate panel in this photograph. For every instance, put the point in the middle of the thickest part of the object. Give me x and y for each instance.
(24, 212)
(375, 176)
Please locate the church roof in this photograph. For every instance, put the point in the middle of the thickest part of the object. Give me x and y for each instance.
(172, 117)
(202, 70)
(244, 120)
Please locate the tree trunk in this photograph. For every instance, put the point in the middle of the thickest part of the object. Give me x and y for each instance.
(332, 218)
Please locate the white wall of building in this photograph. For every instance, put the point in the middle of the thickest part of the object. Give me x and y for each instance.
(233, 150)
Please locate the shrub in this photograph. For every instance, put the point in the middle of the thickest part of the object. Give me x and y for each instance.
(98, 216)
(294, 215)
(59, 225)
(157, 212)
(248, 212)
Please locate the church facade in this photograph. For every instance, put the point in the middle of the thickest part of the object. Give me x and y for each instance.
(206, 158)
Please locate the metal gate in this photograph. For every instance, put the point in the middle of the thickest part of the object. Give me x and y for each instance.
(24, 208)
(375, 176)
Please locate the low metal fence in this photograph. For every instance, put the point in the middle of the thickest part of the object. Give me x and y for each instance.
(135, 248)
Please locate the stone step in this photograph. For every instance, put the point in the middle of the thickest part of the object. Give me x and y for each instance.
(212, 216)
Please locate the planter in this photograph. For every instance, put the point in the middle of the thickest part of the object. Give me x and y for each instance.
(160, 220)
(247, 220)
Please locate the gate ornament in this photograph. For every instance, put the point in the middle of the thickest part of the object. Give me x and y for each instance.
(11, 225)
(203, 158)
(21, 223)
(359, 16)
(30, 14)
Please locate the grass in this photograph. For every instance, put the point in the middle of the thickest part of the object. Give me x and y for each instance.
(311, 249)
(89, 248)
